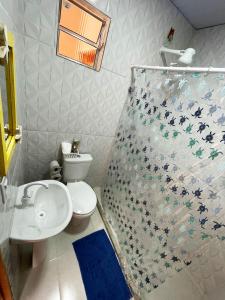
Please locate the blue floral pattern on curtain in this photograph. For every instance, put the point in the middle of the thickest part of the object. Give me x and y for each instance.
(164, 192)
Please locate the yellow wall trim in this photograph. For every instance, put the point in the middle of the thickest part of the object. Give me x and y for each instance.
(7, 146)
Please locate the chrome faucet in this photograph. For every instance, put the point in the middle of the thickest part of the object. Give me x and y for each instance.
(25, 192)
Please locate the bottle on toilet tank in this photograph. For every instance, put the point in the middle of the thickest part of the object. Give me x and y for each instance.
(75, 146)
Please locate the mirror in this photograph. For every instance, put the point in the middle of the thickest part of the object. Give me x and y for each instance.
(3, 89)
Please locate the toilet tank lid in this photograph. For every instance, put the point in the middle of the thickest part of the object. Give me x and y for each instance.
(72, 158)
(83, 197)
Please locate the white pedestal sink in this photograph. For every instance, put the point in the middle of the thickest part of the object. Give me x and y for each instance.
(46, 213)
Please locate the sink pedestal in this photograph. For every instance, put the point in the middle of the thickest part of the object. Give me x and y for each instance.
(39, 253)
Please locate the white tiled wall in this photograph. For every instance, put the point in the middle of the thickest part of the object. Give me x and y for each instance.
(210, 46)
(63, 100)
(58, 100)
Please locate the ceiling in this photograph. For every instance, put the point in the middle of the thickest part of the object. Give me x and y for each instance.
(202, 13)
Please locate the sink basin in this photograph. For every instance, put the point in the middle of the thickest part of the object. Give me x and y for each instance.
(47, 212)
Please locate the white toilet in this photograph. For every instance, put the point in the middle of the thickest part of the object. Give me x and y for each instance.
(75, 169)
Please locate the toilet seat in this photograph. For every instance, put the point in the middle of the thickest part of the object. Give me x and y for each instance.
(83, 197)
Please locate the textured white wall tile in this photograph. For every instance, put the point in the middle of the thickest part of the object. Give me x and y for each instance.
(42, 147)
(139, 30)
(210, 46)
(59, 100)
(63, 97)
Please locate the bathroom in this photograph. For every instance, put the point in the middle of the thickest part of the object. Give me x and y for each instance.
(142, 116)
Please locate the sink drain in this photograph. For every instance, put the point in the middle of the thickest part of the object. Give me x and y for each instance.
(41, 214)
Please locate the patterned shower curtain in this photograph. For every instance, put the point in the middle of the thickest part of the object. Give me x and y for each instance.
(164, 192)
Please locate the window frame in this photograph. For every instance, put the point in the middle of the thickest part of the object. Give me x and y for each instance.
(102, 38)
(7, 146)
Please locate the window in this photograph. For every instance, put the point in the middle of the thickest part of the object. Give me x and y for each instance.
(82, 33)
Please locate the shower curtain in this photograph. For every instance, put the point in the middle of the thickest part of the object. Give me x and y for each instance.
(164, 191)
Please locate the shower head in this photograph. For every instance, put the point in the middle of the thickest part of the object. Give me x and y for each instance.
(186, 56)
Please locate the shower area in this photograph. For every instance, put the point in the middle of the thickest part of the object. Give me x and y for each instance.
(164, 191)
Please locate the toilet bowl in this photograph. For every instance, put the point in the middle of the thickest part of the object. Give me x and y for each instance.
(75, 170)
(84, 200)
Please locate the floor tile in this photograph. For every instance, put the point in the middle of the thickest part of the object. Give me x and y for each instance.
(59, 277)
(70, 281)
(42, 283)
(96, 221)
(65, 239)
(51, 253)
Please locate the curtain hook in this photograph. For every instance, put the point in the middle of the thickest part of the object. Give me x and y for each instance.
(210, 69)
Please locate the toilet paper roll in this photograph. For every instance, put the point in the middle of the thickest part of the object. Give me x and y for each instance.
(57, 177)
(66, 147)
(54, 166)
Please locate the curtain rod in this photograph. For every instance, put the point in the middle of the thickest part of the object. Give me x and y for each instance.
(181, 69)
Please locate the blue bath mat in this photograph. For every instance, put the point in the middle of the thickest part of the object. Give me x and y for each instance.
(102, 276)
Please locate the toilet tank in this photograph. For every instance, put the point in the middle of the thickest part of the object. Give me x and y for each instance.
(76, 168)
